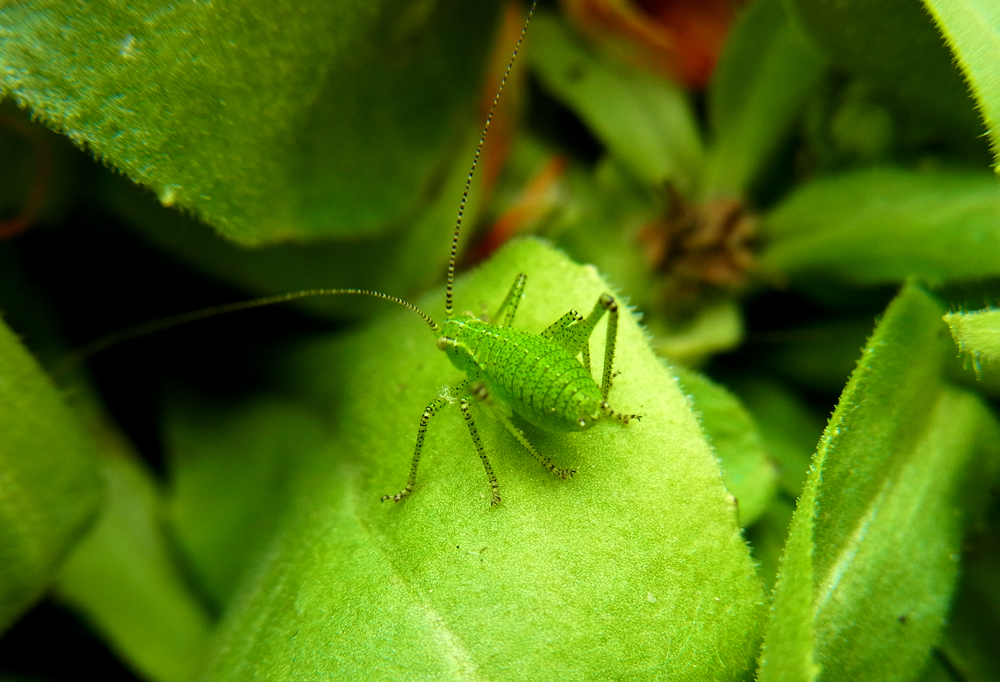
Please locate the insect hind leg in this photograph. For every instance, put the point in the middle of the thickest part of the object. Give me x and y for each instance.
(481, 393)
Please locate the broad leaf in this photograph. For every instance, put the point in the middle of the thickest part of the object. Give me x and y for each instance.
(634, 567)
(748, 473)
(871, 559)
(125, 580)
(646, 121)
(764, 74)
(885, 225)
(273, 122)
(50, 479)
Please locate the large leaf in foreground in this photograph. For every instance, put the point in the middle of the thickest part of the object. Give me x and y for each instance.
(886, 224)
(635, 568)
(272, 121)
(870, 562)
(50, 481)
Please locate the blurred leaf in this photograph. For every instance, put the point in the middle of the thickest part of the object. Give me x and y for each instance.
(748, 473)
(273, 121)
(818, 357)
(871, 559)
(233, 472)
(767, 537)
(633, 568)
(885, 225)
(977, 333)
(405, 259)
(714, 328)
(970, 636)
(972, 29)
(764, 74)
(646, 121)
(789, 428)
(50, 480)
(124, 580)
(894, 44)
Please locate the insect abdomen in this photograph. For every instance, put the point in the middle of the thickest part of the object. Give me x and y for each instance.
(535, 377)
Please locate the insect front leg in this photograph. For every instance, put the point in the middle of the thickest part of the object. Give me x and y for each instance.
(429, 412)
(481, 393)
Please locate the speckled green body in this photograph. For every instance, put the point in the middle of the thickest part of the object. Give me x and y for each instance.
(529, 374)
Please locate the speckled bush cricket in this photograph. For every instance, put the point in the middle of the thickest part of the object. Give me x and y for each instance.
(546, 379)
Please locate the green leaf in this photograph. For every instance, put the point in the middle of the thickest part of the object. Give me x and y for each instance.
(977, 333)
(885, 225)
(404, 259)
(764, 74)
(646, 121)
(748, 473)
(894, 44)
(233, 472)
(972, 29)
(51, 481)
(273, 122)
(871, 559)
(788, 426)
(633, 568)
(124, 580)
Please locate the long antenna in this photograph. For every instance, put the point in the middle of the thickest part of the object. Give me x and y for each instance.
(114, 338)
(475, 162)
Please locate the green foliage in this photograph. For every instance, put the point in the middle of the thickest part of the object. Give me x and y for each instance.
(887, 224)
(262, 119)
(763, 231)
(122, 578)
(51, 481)
(977, 333)
(589, 577)
(870, 562)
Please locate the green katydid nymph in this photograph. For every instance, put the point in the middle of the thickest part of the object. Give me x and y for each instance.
(546, 379)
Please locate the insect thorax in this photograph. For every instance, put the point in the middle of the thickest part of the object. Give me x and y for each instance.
(531, 375)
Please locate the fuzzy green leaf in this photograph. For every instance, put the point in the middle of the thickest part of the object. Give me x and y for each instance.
(977, 333)
(124, 580)
(871, 559)
(885, 225)
(972, 29)
(633, 568)
(50, 480)
(764, 74)
(272, 121)
(748, 473)
(646, 121)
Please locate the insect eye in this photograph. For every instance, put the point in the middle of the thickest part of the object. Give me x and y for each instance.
(443, 342)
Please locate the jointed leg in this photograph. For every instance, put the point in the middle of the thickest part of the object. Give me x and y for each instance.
(480, 393)
(495, 498)
(429, 412)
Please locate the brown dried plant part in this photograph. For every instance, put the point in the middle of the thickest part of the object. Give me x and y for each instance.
(701, 248)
